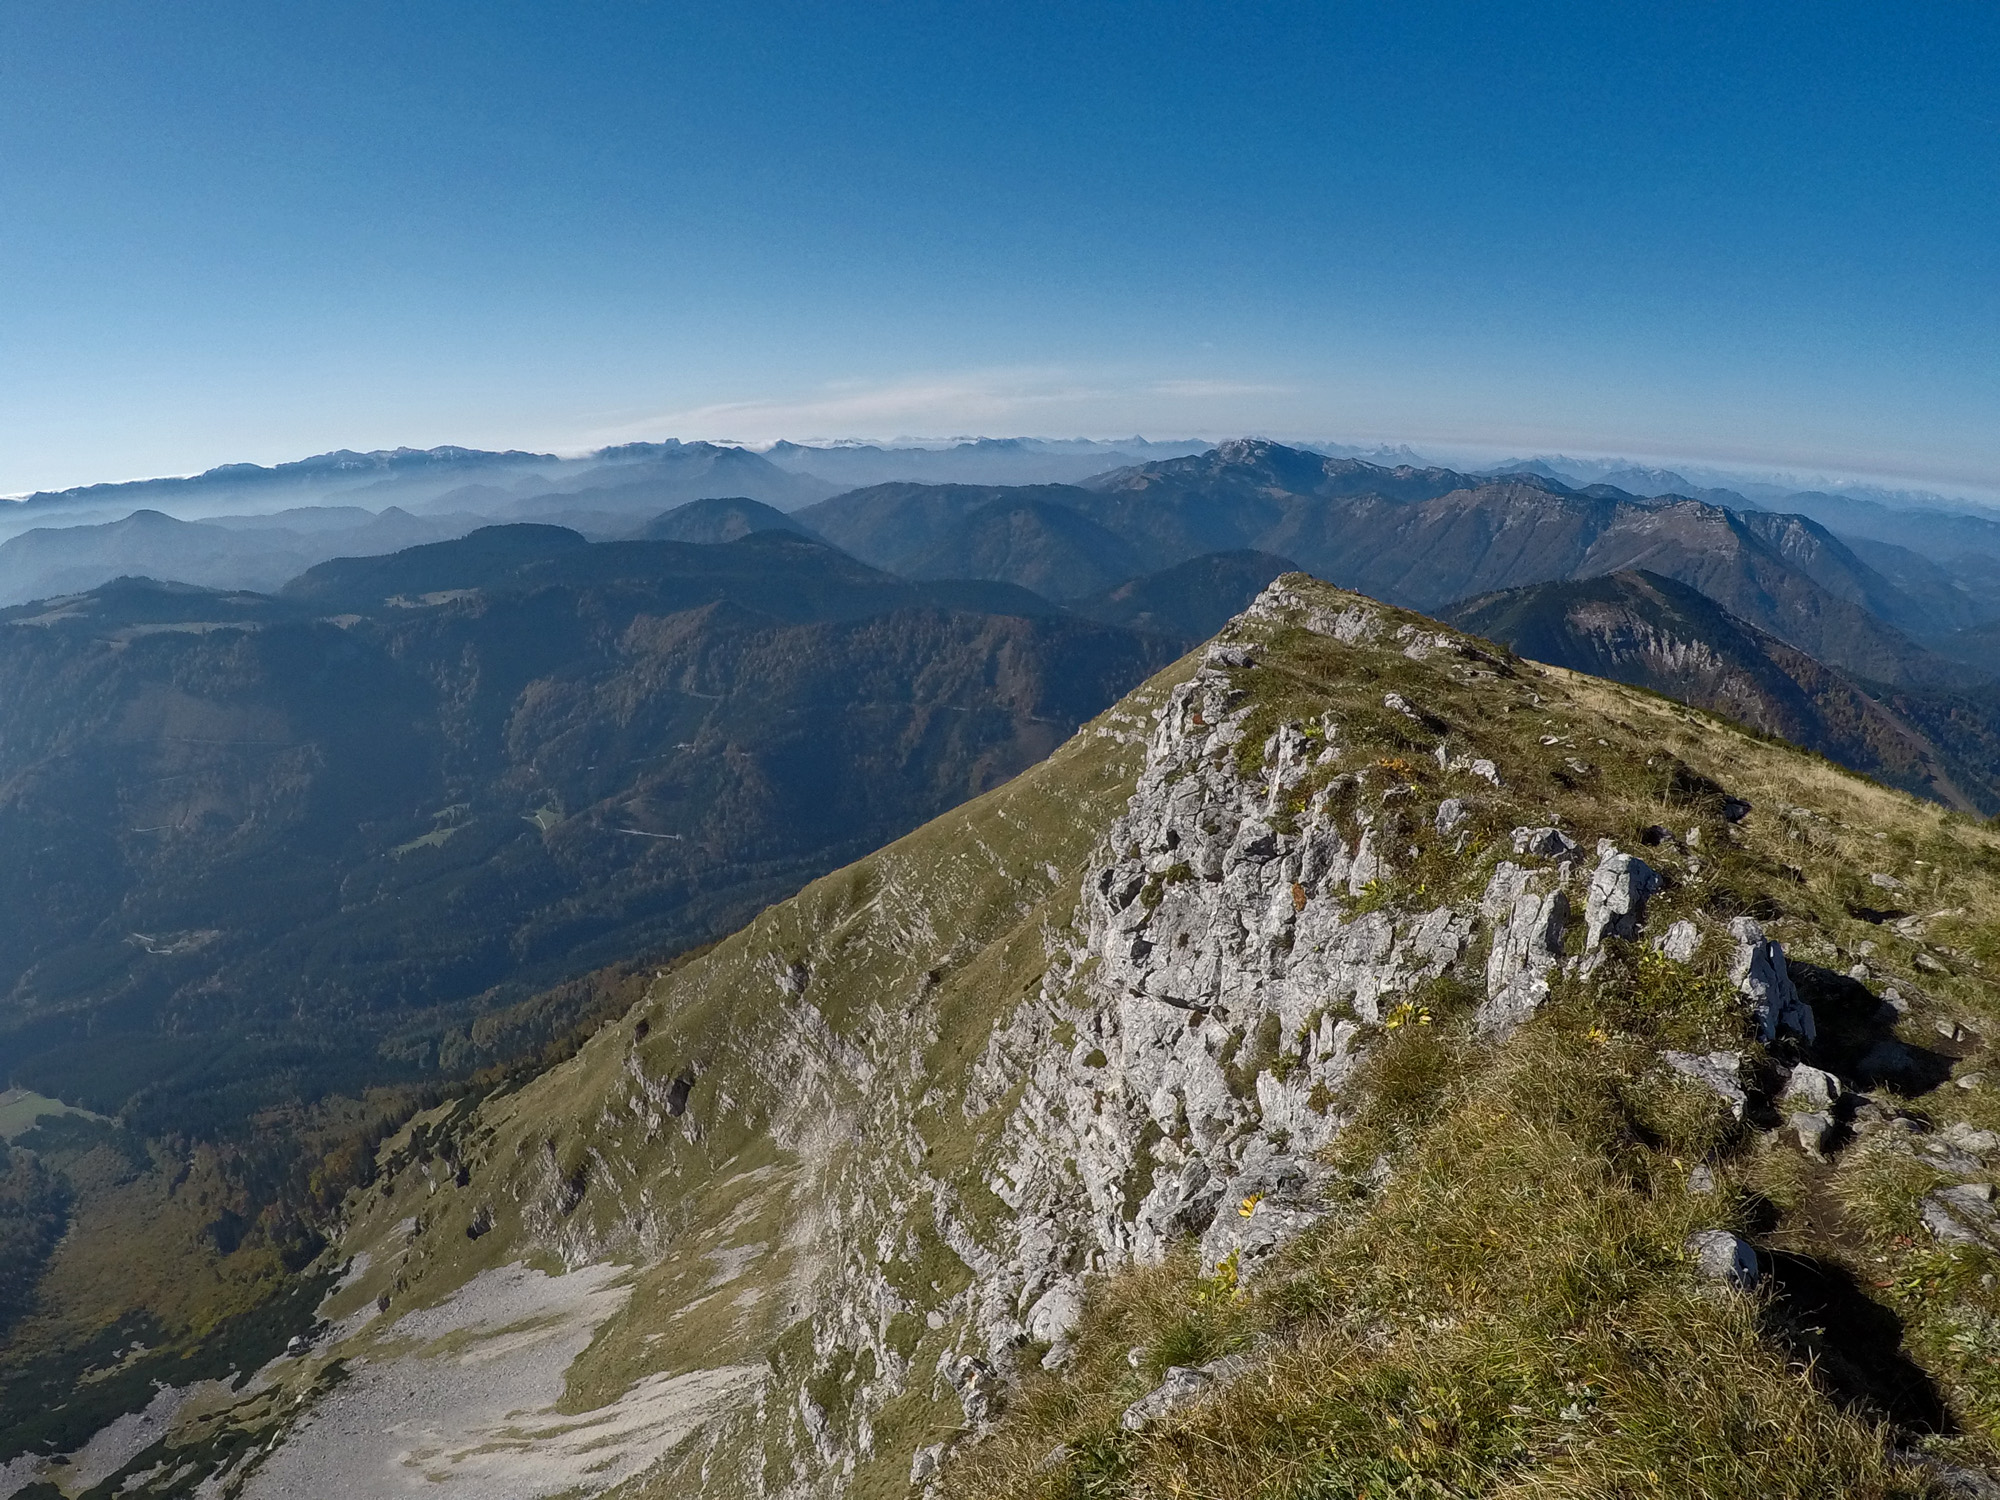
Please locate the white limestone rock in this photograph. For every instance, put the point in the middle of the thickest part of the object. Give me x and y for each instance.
(1679, 942)
(1549, 843)
(1528, 920)
(1809, 1088)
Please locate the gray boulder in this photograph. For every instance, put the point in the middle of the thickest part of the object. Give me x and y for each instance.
(1679, 942)
(1963, 1215)
(1620, 887)
(1718, 1072)
(1724, 1258)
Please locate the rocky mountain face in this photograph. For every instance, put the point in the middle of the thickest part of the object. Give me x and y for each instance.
(1359, 1061)
(1655, 633)
(261, 848)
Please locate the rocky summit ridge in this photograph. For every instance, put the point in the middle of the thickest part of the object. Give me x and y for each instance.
(1358, 1062)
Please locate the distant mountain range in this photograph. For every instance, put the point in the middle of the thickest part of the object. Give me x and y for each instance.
(1419, 537)
(1887, 596)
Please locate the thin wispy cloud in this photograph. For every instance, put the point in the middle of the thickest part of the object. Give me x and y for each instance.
(1056, 400)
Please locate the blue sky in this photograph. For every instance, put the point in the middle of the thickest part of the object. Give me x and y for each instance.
(1752, 234)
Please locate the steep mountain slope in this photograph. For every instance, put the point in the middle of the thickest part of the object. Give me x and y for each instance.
(718, 519)
(1655, 633)
(1192, 600)
(1048, 548)
(1357, 1063)
(257, 853)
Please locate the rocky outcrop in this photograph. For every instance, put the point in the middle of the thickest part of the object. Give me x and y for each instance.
(1724, 1258)
(1620, 887)
(1528, 911)
(1234, 944)
(1758, 971)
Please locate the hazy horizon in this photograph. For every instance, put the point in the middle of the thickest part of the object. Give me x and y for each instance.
(1702, 470)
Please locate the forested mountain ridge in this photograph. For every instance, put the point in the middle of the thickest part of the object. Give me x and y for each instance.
(259, 841)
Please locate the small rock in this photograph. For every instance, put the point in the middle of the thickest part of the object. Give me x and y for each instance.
(1734, 809)
(1967, 1138)
(1181, 1388)
(979, 1390)
(1725, 1258)
(1962, 1483)
(1397, 703)
(1485, 770)
(924, 1463)
(1055, 1314)
(1970, 1081)
(1679, 942)
(1620, 887)
(1814, 1131)
(1885, 882)
(1451, 812)
(1811, 1088)
(1701, 1179)
(1929, 964)
(1759, 972)
(1551, 843)
(1962, 1215)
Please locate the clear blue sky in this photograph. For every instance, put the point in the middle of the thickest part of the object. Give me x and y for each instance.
(1759, 233)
